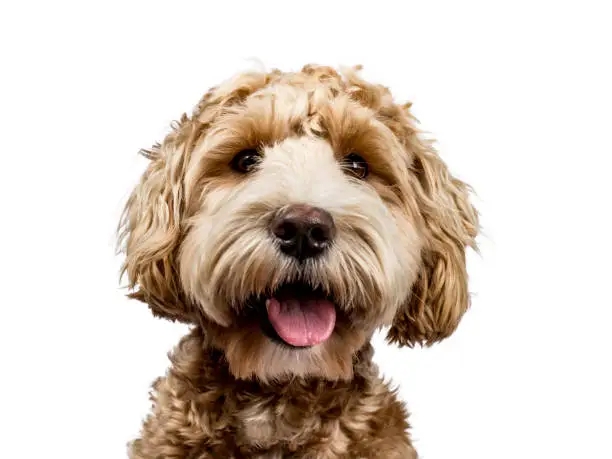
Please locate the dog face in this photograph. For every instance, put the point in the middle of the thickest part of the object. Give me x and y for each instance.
(291, 216)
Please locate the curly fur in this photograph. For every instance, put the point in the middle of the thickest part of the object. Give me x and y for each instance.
(196, 245)
(202, 411)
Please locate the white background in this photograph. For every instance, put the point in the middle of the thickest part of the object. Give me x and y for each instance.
(518, 95)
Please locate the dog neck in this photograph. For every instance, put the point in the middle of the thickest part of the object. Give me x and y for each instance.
(200, 403)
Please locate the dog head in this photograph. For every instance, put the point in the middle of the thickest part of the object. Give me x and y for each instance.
(291, 216)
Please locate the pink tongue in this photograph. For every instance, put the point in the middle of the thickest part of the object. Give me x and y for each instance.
(302, 323)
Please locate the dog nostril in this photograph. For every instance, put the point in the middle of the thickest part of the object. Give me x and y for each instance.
(319, 235)
(286, 231)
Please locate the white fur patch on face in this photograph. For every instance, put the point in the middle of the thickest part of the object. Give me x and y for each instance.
(228, 254)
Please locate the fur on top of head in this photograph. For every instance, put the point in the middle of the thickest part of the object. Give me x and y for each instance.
(196, 229)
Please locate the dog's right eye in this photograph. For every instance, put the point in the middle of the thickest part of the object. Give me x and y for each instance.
(246, 160)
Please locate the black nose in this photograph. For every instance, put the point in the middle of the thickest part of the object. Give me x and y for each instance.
(303, 231)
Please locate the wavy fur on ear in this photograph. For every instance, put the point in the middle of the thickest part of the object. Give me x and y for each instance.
(150, 228)
(440, 296)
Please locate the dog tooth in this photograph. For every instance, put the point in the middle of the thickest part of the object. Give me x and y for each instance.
(267, 304)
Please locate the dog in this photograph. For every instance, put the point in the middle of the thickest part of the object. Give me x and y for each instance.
(286, 220)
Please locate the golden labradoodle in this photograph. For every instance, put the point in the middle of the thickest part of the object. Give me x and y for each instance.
(287, 219)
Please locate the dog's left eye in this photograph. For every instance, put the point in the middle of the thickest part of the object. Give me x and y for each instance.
(356, 165)
(246, 160)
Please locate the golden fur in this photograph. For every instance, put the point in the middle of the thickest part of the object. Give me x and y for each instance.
(196, 245)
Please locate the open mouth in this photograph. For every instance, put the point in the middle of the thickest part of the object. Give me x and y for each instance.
(297, 316)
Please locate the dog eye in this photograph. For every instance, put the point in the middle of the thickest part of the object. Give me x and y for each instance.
(356, 165)
(246, 160)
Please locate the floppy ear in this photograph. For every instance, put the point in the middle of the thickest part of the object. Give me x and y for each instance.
(450, 224)
(150, 227)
